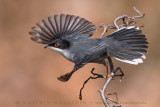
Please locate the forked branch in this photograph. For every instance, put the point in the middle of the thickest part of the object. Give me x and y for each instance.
(127, 21)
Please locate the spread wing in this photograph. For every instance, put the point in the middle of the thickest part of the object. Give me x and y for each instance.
(62, 25)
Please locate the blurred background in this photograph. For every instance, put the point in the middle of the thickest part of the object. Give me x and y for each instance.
(28, 72)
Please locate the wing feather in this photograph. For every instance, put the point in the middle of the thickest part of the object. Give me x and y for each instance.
(62, 25)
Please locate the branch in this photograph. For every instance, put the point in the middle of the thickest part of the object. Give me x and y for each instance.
(102, 92)
(85, 82)
(130, 21)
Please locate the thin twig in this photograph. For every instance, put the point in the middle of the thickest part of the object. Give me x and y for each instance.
(104, 31)
(85, 82)
(118, 18)
(106, 28)
(103, 91)
(141, 14)
(130, 20)
(116, 102)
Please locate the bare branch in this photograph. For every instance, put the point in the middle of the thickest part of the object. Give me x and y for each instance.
(141, 14)
(106, 28)
(102, 92)
(118, 18)
(85, 82)
(130, 20)
(116, 102)
(104, 31)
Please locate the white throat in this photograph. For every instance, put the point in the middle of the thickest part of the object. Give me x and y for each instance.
(56, 49)
(65, 53)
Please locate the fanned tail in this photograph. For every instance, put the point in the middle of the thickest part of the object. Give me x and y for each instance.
(128, 45)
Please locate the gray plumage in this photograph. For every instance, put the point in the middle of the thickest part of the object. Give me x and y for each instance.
(72, 34)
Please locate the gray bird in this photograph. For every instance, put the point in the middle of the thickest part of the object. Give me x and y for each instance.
(70, 35)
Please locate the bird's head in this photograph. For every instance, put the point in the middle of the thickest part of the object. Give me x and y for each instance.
(58, 45)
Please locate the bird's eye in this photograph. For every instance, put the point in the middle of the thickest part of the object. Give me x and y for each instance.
(56, 44)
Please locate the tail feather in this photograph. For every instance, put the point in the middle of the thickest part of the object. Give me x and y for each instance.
(139, 45)
(128, 45)
(134, 38)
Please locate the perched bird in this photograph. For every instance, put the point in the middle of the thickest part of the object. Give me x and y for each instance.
(70, 35)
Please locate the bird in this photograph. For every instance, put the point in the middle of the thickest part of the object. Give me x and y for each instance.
(70, 36)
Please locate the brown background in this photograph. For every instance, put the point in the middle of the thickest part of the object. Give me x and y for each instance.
(28, 72)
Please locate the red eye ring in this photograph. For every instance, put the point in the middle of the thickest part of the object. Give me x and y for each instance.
(56, 44)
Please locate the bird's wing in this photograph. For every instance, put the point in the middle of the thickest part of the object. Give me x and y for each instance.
(59, 26)
(92, 53)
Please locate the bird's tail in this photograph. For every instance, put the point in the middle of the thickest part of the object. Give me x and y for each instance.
(127, 44)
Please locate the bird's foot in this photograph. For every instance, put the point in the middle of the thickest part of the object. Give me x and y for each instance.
(113, 76)
(65, 77)
(110, 75)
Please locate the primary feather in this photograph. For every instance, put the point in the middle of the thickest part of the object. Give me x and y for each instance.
(59, 26)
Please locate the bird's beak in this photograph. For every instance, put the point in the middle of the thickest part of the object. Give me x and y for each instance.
(46, 47)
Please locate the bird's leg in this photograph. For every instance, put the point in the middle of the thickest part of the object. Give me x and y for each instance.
(111, 66)
(115, 71)
(95, 74)
(67, 76)
(106, 65)
(107, 71)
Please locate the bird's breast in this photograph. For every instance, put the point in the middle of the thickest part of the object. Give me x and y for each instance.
(68, 55)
